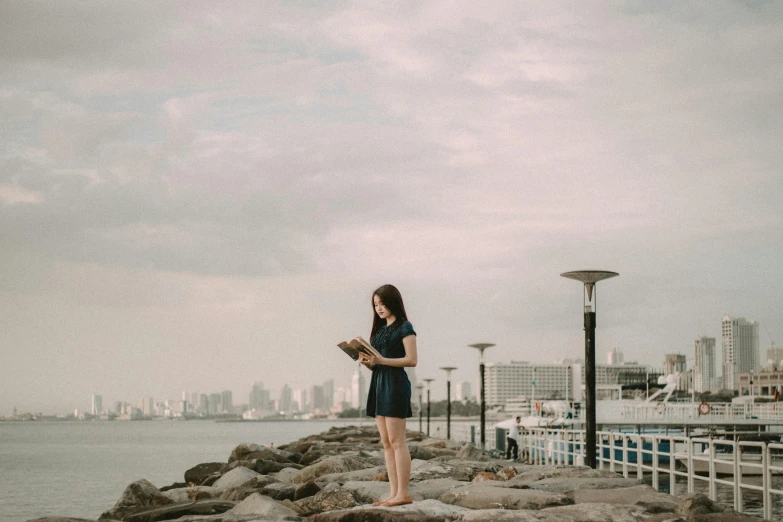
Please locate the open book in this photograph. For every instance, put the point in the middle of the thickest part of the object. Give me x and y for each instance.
(356, 346)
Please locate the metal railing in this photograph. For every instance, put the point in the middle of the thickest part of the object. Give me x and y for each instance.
(631, 412)
(706, 463)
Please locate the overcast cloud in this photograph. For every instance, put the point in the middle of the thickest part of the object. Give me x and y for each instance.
(197, 196)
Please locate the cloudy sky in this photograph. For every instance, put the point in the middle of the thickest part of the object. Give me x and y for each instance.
(198, 197)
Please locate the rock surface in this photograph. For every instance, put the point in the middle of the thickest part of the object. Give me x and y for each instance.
(342, 473)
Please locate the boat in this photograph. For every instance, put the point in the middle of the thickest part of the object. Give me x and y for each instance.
(750, 464)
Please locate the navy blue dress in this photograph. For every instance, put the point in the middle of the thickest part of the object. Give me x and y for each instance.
(390, 389)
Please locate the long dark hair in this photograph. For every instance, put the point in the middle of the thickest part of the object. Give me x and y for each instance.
(391, 299)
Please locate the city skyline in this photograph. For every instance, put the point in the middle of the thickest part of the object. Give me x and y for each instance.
(196, 194)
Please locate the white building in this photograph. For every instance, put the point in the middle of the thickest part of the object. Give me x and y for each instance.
(740, 349)
(704, 377)
(614, 357)
(97, 405)
(504, 381)
(358, 389)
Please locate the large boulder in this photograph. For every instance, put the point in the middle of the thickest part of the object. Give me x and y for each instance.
(420, 452)
(181, 509)
(259, 466)
(248, 451)
(199, 472)
(457, 469)
(470, 452)
(137, 496)
(527, 474)
(260, 506)
(279, 491)
(191, 494)
(368, 492)
(434, 488)
(59, 519)
(486, 496)
(362, 474)
(424, 511)
(644, 496)
(574, 513)
(565, 485)
(235, 478)
(697, 504)
(336, 464)
(330, 498)
(287, 475)
(308, 489)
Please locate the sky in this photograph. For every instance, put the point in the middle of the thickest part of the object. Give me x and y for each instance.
(198, 197)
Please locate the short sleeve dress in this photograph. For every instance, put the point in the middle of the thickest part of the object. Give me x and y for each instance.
(390, 389)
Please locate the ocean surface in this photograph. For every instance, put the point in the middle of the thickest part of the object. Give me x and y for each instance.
(80, 469)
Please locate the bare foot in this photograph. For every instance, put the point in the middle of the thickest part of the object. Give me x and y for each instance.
(383, 502)
(398, 501)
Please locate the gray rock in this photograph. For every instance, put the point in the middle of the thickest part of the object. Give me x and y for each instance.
(248, 451)
(574, 513)
(331, 498)
(434, 488)
(259, 506)
(362, 474)
(238, 494)
(337, 464)
(697, 504)
(259, 466)
(287, 475)
(443, 452)
(564, 485)
(368, 492)
(137, 496)
(199, 472)
(235, 478)
(534, 473)
(191, 494)
(645, 496)
(180, 509)
(420, 452)
(463, 470)
(470, 452)
(279, 491)
(424, 511)
(484, 496)
(308, 489)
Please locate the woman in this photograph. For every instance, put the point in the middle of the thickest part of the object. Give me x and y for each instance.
(389, 400)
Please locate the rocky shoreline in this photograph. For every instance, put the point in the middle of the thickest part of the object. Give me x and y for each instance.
(335, 476)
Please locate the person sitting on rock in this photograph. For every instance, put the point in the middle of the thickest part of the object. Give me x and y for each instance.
(389, 399)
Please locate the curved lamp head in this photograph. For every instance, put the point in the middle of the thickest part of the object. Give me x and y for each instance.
(589, 278)
(448, 370)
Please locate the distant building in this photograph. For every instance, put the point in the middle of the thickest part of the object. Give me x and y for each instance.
(286, 399)
(740, 346)
(300, 400)
(358, 389)
(226, 401)
(764, 382)
(97, 405)
(614, 357)
(503, 381)
(328, 388)
(675, 363)
(203, 404)
(464, 391)
(147, 407)
(259, 398)
(704, 376)
(214, 406)
(775, 355)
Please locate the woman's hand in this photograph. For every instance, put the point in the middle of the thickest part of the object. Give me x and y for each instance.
(368, 360)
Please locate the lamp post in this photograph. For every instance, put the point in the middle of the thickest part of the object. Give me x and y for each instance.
(428, 381)
(420, 387)
(448, 370)
(481, 347)
(590, 278)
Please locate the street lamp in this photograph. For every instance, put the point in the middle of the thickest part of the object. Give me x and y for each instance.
(428, 381)
(590, 278)
(481, 347)
(420, 387)
(448, 370)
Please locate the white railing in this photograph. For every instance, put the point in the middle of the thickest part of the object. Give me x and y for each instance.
(470, 432)
(631, 412)
(706, 463)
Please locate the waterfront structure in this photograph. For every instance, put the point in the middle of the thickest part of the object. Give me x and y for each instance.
(504, 381)
(97, 404)
(614, 357)
(704, 378)
(764, 382)
(740, 346)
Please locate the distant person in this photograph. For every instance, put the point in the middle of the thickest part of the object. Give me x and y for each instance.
(389, 399)
(271, 444)
(511, 441)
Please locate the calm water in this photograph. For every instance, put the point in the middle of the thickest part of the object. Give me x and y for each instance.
(80, 469)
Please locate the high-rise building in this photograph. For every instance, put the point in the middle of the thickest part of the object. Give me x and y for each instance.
(203, 403)
(614, 357)
(226, 401)
(464, 392)
(286, 399)
(214, 406)
(317, 399)
(147, 407)
(358, 389)
(97, 404)
(259, 398)
(300, 402)
(328, 388)
(674, 363)
(704, 377)
(740, 348)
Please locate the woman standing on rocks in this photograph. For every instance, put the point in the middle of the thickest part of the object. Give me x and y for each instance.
(389, 400)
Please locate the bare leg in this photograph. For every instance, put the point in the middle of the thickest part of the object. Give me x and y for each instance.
(395, 428)
(388, 455)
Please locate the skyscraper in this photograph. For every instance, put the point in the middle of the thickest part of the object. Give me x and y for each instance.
(704, 365)
(358, 389)
(97, 404)
(227, 401)
(614, 357)
(740, 348)
(286, 399)
(259, 397)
